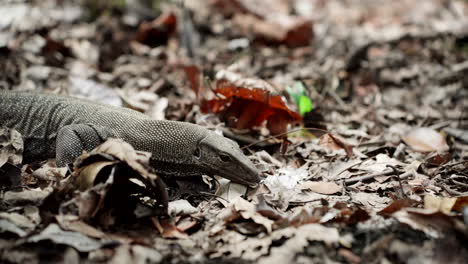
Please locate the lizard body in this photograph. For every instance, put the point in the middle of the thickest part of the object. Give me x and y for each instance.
(63, 127)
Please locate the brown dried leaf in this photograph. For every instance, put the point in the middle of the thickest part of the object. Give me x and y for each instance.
(445, 204)
(117, 186)
(167, 229)
(302, 237)
(76, 240)
(321, 187)
(431, 221)
(424, 139)
(158, 31)
(396, 206)
(334, 143)
(269, 21)
(11, 146)
(240, 208)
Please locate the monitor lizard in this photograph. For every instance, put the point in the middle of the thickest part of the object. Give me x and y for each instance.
(63, 127)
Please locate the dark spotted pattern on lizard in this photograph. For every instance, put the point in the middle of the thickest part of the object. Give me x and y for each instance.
(63, 127)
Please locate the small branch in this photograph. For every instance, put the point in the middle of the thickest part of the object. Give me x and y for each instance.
(368, 177)
(399, 179)
(452, 192)
(373, 175)
(459, 183)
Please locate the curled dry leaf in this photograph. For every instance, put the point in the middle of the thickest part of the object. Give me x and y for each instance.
(240, 208)
(321, 187)
(158, 31)
(431, 221)
(445, 204)
(229, 191)
(11, 146)
(244, 103)
(292, 31)
(181, 207)
(268, 21)
(438, 158)
(424, 139)
(116, 186)
(302, 237)
(167, 228)
(76, 240)
(334, 143)
(11, 156)
(396, 206)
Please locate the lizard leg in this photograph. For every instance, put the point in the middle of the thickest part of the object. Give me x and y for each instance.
(73, 139)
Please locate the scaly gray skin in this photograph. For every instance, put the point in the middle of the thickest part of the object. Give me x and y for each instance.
(62, 127)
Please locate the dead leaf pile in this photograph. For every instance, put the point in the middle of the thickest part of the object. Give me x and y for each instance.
(384, 180)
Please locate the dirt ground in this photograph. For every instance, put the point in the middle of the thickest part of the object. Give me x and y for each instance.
(355, 113)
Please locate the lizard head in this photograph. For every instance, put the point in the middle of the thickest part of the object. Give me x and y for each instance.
(223, 157)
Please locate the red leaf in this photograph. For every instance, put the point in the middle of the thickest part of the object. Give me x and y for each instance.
(158, 31)
(245, 103)
(193, 75)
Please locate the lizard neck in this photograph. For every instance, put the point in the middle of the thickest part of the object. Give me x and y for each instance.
(176, 169)
(170, 143)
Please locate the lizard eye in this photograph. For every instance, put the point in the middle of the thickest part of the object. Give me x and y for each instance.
(197, 153)
(224, 158)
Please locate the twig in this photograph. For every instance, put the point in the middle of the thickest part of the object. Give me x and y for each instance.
(337, 99)
(373, 175)
(454, 164)
(399, 179)
(405, 175)
(459, 183)
(367, 177)
(304, 202)
(452, 192)
(366, 144)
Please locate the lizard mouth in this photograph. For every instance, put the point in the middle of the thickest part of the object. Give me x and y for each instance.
(249, 177)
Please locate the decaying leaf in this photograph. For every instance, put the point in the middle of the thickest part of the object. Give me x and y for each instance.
(445, 204)
(334, 143)
(11, 146)
(116, 186)
(168, 229)
(11, 156)
(248, 102)
(431, 221)
(341, 212)
(158, 31)
(76, 240)
(269, 23)
(33, 196)
(396, 206)
(92, 90)
(181, 207)
(229, 191)
(424, 139)
(136, 254)
(240, 208)
(302, 237)
(321, 187)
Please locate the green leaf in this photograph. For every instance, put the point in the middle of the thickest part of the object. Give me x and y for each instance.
(305, 105)
(296, 91)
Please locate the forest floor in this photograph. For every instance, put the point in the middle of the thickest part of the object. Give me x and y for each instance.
(355, 112)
